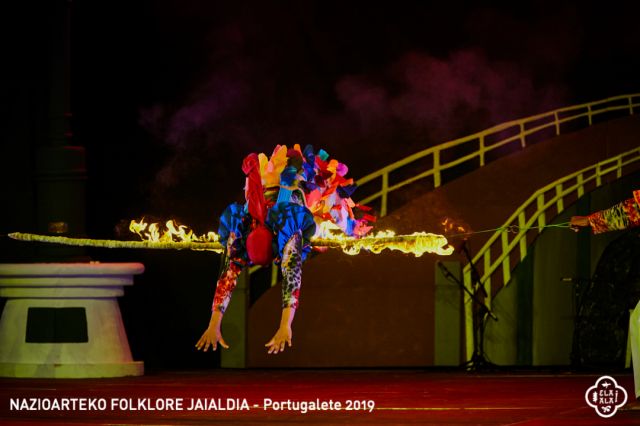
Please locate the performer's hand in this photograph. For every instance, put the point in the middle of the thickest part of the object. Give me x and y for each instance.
(578, 222)
(277, 342)
(212, 335)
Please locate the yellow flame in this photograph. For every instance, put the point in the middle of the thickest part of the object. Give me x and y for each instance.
(327, 229)
(171, 232)
(450, 226)
(327, 233)
(417, 243)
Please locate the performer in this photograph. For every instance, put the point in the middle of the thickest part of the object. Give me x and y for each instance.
(621, 216)
(286, 197)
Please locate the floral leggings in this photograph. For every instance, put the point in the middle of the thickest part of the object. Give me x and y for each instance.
(291, 267)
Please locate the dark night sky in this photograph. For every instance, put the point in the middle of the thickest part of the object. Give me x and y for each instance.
(198, 84)
(168, 96)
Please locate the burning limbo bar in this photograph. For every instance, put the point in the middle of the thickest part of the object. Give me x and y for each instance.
(417, 243)
(88, 242)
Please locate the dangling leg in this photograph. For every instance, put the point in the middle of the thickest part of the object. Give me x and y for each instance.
(292, 271)
(291, 281)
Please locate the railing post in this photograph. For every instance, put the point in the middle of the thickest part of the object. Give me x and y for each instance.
(580, 185)
(589, 114)
(487, 268)
(598, 175)
(560, 202)
(436, 168)
(540, 212)
(523, 143)
(619, 171)
(630, 105)
(385, 189)
(481, 149)
(468, 315)
(506, 262)
(522, 221)
(487, 289)
(557, 122)
(485, 279)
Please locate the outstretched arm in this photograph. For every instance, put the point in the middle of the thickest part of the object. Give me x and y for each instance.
(621, 216)
(224, 288)
(291, 282)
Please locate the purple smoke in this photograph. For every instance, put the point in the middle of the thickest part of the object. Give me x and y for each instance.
(446, 98)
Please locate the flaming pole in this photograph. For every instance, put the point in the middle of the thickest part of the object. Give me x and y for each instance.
(417, 243)
(88, 242)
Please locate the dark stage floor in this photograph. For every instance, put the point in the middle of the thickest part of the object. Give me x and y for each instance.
(400, 397)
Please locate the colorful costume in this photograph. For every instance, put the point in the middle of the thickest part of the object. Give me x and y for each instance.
(621, 216)
(290, 197)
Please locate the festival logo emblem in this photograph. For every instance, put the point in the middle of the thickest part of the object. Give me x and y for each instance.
(606, 396)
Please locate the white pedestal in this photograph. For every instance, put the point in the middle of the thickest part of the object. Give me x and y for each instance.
(92, 287)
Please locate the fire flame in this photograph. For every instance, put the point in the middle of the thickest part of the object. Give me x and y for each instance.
(328, 230)
(451, 226)
(172, 232)
(417, 243)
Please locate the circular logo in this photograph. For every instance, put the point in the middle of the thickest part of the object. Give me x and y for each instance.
(606, 396)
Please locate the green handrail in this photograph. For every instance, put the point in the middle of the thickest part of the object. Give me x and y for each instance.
(525, 127)
(494, 258)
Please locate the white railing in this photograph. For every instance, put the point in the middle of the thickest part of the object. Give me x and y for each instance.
(484, 142)
(504, 249)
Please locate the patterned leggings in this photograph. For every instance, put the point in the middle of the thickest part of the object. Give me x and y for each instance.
(292, 271)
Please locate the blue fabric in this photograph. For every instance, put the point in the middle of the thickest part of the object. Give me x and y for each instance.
(287, 178)
(309, 154)
(351, 224)
(232, 221)
(347, 191)
(309, 165)
(284, 196)
(324, 155)
(285, 219)
(235, 219)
